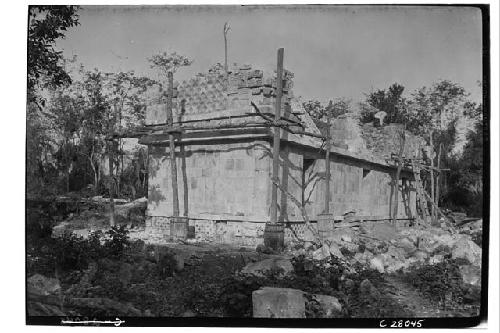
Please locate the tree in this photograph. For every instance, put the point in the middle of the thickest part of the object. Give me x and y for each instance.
(65, 114)
(466, 175)
(166, 62)
(334, 109)
(442, 114)
(390, 101)
(46, 24)
(96, 121)
(125, 93)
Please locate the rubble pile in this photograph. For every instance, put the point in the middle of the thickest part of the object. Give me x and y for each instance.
(387, 249)
(127, 213)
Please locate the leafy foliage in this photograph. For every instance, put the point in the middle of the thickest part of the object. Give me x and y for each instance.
(390, 101)
(334, 109)
(117, 241)
(46, 25)
(169, 62)
(443, 284)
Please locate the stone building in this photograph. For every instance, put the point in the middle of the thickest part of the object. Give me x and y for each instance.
(224, 161)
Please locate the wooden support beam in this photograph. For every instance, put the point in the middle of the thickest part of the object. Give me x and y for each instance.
(398, 174)
(327, 167)
(277, 138)
(173, 163)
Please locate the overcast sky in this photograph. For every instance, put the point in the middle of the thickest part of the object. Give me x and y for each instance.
(334, 51)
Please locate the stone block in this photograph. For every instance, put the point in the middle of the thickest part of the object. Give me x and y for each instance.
(259, 268)
(278, 303)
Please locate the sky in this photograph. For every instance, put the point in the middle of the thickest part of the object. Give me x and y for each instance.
(334, 51)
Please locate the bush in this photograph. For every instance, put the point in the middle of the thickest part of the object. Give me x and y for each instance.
(442, 283)
(118, 240)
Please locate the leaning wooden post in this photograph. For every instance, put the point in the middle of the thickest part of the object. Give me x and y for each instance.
(327, 167)
(274, 234)
(398, 174)
(325, 220)
(175, 232)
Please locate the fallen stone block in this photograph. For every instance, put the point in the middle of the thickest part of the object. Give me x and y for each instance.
(335, 250)
(259, 268)
(467, 249)
(278, 303)
(322, 253)
(471, 274)
(377, 263)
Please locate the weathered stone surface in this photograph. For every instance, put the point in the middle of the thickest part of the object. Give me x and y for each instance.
(260, 267)
(377, 263)
(364, 257)
(335, 250)
(467, 249)
(421, 255)
(329, 305)
(278, 303)
(406, 244)
(42, 285)
(471, 274)
(322, 253)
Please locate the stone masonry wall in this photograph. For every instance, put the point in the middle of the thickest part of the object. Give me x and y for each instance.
(353, 188)
(211, 94)
(222, 180)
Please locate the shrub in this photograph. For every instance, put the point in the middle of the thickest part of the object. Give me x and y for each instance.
(442, 283)
(118, 240)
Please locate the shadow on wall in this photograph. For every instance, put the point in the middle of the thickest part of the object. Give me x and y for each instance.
(155, 195)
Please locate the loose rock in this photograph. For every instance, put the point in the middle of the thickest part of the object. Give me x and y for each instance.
(260, 267)
(278, 303)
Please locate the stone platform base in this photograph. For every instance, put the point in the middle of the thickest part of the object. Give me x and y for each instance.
(241, 233)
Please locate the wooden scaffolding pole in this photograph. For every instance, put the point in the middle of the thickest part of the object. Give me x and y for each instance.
(398, 174)
(274, 232)
(173, 164)
(276, 138)
(327, 166)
